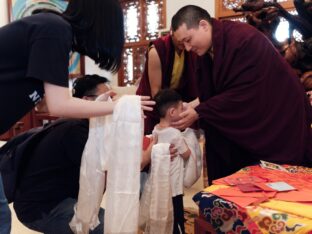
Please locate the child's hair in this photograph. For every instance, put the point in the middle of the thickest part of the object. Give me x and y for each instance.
(165, 99)
(87, 85)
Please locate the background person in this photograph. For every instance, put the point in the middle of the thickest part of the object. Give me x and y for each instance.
(167, 65)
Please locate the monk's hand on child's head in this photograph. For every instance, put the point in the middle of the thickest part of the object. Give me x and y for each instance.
(173, 151)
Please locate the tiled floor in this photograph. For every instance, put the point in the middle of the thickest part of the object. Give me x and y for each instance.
(190, 192)
(18, 228)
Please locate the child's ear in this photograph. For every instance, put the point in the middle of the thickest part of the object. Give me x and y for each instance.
(171, 111)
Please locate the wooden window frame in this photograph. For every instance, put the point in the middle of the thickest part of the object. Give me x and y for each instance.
(143, 42)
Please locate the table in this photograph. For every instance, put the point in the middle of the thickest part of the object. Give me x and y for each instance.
(219, 215)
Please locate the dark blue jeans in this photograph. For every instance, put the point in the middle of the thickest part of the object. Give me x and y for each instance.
(57, 221)
(5, 212)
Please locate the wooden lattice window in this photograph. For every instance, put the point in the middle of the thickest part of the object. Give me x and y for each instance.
(224, 10)
(143, 20)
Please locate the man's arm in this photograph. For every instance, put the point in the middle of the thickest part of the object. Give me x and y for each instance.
(154, 71)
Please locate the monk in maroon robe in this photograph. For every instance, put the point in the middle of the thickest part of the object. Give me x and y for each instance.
(252, 105)
(164, 50)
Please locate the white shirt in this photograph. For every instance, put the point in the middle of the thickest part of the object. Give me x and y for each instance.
(173, 136)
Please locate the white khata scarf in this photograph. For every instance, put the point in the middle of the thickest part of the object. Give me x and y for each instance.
(156, 211)
(114, 145)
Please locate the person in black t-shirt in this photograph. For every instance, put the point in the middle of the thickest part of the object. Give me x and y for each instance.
(34, 57)
(49, 183)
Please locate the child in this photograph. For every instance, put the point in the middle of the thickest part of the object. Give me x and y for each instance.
(169, 105)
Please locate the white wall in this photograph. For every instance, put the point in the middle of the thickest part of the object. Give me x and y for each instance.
(172, 7)
(92, 68)
(3, 12)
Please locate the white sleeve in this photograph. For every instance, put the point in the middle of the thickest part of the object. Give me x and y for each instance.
(179, 143)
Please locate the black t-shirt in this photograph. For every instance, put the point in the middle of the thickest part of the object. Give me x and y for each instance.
(33, 50)
(52, 172)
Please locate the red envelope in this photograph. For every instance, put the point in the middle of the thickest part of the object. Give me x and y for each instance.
(242, 199)
(247, 188)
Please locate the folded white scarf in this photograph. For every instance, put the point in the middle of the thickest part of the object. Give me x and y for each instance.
(114, 145)
(156, 210)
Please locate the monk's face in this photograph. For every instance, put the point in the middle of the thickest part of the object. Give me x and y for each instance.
(195, 39)
(178, 45)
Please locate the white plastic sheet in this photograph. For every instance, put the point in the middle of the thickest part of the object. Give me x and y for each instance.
(193, 166)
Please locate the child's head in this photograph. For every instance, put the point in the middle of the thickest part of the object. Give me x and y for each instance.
(168, 104)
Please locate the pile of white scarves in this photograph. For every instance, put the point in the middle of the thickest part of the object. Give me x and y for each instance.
(114, 145)
(156, 210)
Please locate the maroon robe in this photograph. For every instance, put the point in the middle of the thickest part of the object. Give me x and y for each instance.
(187, 86)
(253, 106)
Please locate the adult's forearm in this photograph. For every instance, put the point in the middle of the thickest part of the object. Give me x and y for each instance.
(79, 108)
(60, 103)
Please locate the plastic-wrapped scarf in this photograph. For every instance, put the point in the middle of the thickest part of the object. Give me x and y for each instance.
(114, 145)
(193, 166)
(156, 211)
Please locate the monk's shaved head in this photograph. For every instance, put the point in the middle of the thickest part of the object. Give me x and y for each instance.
(191, 15)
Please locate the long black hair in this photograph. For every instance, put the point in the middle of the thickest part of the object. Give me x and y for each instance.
(98, 28)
